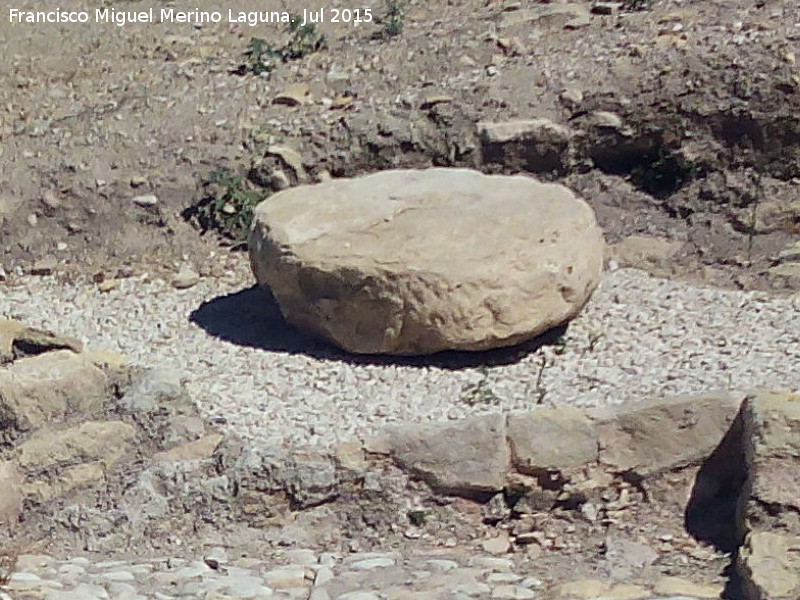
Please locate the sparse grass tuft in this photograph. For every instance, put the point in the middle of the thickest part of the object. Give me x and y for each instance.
(393, 19)
(632, 5)
(417, 517)
(756, 194)
(226, 206)
(480, 393)
(262, 57)
(304, 40)
(594, 339)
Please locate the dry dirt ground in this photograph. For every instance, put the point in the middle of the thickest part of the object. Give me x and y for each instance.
(701, 146)
(707, 92)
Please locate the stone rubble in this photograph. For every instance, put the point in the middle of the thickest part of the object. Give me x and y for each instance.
(82, 423)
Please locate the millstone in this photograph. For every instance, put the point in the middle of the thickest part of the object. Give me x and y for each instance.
(412, 262)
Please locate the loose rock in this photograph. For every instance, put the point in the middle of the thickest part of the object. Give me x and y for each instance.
(339, 259)
(185, 279)
(44, 266)
(293, 95)
(146, 200)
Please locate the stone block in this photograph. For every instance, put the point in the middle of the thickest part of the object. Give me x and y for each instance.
(661, 434)
(465, 458)
(547, 439)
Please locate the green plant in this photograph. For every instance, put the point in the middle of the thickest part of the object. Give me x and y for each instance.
(594, 339)
(262, 57)
(756, 195)
(480, 392)
(227, 205)
(393, 19)
(417, 517)
(303, 40)
(632, 5)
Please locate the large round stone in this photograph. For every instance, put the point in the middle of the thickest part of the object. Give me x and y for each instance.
(415, 262)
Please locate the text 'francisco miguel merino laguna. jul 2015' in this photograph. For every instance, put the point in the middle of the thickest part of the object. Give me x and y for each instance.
(170, 15)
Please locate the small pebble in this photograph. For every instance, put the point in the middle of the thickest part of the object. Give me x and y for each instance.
(145, 200)
(185, 279)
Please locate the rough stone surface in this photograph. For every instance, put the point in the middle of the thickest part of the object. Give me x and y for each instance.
(159, 404)
(626, 558)
(306, 478)
(769, 560)
(19, 341)
(464, 458)
(473, 458)
(199, 449)
(770, 566)
(8, 333)
(551, 438)
(417, 262)
(628, 591)
(582, 589)
(79, 455)
(535, 145)
(30, 341)
(666, 433)
(50, 387)
(184, 279)
(556, 15)
(10, 493)
(690, 89)
(773, 432)
(676, 586)
(644, 250)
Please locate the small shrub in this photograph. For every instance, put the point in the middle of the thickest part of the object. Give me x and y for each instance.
(226, 206)
(393, 19)
(633, 5)
(594, 340)
(303, 40)
(755, 195)
(262, 57)
(539, 391)
(417, 518)
(480, 393)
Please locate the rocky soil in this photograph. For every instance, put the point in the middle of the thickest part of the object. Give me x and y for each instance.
(111, 470)
(678, 124)
(682, 121)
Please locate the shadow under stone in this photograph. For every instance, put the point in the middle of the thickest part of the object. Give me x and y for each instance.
(251, 317)
(713, 514)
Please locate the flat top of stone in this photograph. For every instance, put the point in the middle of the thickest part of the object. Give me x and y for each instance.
(422, 212)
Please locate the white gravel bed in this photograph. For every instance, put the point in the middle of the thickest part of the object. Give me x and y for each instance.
(651, 337)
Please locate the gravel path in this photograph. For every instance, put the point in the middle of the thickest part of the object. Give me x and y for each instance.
(638, 336)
